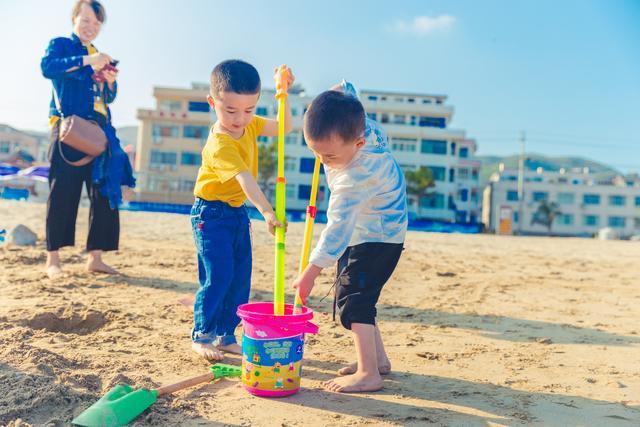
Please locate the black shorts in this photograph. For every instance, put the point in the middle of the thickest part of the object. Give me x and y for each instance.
(362, 272)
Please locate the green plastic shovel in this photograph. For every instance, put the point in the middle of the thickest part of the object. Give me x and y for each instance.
(122, 403)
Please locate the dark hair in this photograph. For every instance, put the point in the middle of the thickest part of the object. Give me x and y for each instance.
(236, 76)
(334, 113)
(97, 7)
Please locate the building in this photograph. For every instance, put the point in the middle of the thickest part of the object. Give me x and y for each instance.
(22, 148)
(170, 139)
(586, 203)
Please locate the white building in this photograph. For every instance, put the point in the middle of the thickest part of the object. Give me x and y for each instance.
(586, 203)
(171, 136)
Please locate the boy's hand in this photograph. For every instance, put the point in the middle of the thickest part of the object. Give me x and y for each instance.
(304, 285)
(272, 222)
(283, 76)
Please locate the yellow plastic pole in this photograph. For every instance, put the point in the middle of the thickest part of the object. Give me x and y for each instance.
(308, 231)
(278, 287)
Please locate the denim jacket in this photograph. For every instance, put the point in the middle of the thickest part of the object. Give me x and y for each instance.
(75, 92)
(75, 88)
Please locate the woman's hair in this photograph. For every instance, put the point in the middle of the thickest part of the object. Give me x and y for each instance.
(95, 5)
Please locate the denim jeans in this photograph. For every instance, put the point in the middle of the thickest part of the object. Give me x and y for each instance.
(222, 235)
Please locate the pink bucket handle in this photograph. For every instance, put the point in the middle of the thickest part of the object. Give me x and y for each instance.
(303, 328)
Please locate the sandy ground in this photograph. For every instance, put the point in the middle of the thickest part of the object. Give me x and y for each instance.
(481, 330)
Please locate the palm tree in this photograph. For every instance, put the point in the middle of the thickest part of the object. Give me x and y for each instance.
(546, 214)
(419, 182)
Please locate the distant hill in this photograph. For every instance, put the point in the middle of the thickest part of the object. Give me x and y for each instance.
(534, 161)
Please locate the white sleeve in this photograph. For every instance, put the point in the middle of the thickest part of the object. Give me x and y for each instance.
(344, 204)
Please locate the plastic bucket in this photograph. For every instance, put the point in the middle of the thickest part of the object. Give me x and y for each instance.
(272, 348)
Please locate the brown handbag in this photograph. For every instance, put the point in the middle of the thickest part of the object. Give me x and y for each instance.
(84, 135)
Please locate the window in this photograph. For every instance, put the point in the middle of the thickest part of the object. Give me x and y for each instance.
(590, 221)
(384, 118)
(617, 200)
(539, 196)
(304, 191)
(411, 100)
(432, 201)
(5, 147)
(186, 185)
(291, 190)
(292, 138)
(191, 131)
(566, 198)
(637, 201)
(290, 164)
(189, 158)
(262, 111)
(512, 196)
(294, 111)
(438, 172)
(199, 107)
(452, 175)
(170, 105)
(463, 173)
(163, 158)
(372, 116)
(403, 144)
(516, 216)
(591, 199)
(475, 174)
(372, 98)
(464, 195)
(413, 120)
(453, 148)
(617, 221)
(398, 99)
(426, 101)
(464, 152)
(399, 119)
(433, 146)
(306, 165)
(433, 122)
(165, 131)
(263, 139)
(636, 223)
(565, 219)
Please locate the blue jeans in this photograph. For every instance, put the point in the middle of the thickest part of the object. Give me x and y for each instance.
(222, 235)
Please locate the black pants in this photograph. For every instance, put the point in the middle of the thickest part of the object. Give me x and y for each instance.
(65, 184)
(362, 272)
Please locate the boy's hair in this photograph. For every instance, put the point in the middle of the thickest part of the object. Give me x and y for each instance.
(236, 76)
(334, 113)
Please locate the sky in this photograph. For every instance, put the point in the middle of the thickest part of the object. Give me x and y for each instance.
(567, 73)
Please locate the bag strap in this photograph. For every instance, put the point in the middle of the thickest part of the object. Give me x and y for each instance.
(56, 100)
(83, 161)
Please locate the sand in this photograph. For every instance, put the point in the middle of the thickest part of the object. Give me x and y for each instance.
(481, 330)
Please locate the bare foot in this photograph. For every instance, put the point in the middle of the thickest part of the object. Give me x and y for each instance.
(53, 271)
(356, 383)
(384, 368)
(231, 348)
(96, 266)
(208, 351)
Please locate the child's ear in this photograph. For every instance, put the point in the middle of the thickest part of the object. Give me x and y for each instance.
(360, 142)
(210, 101)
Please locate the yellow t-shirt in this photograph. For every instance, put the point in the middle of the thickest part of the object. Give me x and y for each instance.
(224, 157)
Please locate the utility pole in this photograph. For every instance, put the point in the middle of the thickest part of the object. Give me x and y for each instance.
(521, 183)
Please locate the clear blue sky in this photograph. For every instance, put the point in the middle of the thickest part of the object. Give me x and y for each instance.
(567, 72)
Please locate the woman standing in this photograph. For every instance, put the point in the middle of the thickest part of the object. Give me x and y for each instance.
(84, 83)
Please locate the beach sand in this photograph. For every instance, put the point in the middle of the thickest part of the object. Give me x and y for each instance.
(481, 330)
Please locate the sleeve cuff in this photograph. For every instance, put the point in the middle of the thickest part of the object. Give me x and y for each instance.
(321, 260)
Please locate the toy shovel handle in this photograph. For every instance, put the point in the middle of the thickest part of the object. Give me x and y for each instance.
(172, 388)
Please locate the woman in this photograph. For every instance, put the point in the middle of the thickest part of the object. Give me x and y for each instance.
(84, 84)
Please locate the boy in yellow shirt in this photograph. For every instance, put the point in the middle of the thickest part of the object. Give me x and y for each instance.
(221, 227)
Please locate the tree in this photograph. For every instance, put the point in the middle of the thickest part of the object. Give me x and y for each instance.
(268, 167)
(546, 214)
(419, 182)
